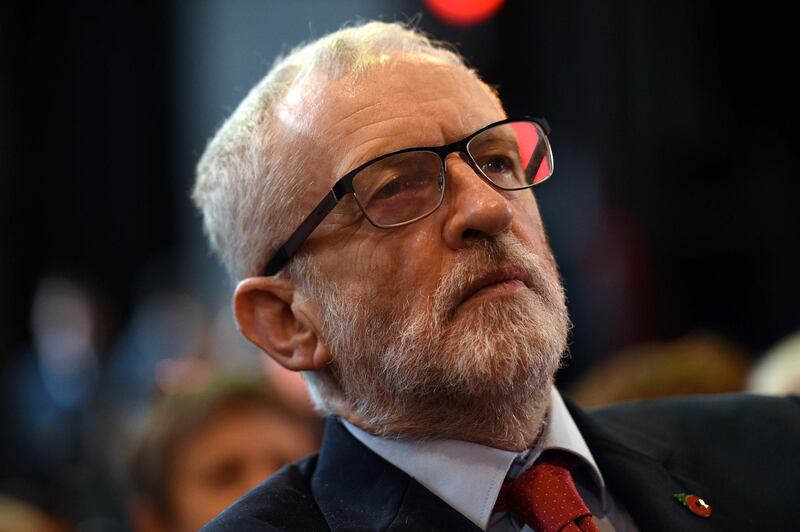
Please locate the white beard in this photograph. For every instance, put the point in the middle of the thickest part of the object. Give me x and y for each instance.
(433, 372)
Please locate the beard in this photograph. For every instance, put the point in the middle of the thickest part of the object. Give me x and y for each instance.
(432, 371)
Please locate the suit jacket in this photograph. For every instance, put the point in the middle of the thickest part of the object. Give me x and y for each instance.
(740, 453)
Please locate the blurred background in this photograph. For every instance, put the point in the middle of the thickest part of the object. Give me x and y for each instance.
(671, 211)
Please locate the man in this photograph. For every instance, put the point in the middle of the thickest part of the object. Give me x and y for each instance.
(371, 196)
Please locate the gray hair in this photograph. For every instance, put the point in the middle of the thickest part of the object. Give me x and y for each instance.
(242, 190)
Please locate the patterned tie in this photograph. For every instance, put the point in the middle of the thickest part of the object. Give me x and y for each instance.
(546, 499)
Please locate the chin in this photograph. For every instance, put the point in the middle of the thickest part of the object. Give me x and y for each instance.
(507, 345)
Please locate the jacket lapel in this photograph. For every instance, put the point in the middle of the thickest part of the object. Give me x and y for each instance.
(636, 470)
(358, 490)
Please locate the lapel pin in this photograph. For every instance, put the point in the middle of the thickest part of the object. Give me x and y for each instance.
(695, 504)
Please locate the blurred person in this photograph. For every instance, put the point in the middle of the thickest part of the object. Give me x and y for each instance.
(162, 349)
(167, 324)
(50, 390)
(696, 364)
(54, 381)
(64, 325)
(371, 197)
(778, 370)
(203, 449)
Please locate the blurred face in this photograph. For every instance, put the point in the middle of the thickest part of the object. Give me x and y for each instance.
(234, 453)
(437, 324)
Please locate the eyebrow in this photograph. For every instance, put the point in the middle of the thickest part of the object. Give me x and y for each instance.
(343, 187)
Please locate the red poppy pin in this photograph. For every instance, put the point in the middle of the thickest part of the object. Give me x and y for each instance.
(695, 504)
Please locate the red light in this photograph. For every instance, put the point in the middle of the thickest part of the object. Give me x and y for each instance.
(464, 12)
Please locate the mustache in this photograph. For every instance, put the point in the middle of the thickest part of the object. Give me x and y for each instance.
(487, 255)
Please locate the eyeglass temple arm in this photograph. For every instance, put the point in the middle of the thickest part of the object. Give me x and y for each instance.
(293, 243)
(326, 205)
(544, 124)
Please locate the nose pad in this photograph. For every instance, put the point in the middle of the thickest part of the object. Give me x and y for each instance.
(467, 159)
(464, 158)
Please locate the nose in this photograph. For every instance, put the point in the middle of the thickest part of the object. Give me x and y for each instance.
(476, 209)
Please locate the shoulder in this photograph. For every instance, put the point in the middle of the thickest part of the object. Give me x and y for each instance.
(726, 413)
(733, 433)
(739, 451)
(282, 502)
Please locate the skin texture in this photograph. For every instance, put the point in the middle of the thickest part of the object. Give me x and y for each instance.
(409, 102)
(411, 106)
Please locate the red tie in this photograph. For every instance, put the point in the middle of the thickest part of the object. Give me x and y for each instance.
(545, 498)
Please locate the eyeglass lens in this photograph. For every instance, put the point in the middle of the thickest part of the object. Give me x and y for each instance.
(408, 186)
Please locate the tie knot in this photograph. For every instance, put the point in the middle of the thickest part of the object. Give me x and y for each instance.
(545, 497)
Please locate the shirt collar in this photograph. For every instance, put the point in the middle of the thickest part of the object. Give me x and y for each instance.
(468, 476)
(562, 433)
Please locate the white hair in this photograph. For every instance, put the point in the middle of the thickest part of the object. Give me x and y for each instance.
(242, 188)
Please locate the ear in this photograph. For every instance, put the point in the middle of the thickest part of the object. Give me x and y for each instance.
(282, 322)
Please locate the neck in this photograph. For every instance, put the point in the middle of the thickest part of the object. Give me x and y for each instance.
(501, 422)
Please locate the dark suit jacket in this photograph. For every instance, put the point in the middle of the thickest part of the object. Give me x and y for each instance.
(740, 453)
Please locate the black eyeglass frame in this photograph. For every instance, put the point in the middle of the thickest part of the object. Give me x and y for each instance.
(344, 186)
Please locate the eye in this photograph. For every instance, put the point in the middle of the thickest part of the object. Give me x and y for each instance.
(399, 185)
(502, 170)
(224, 473)
(395, 186)
(497, 164)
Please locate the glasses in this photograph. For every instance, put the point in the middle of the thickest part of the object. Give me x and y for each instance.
(405, 186)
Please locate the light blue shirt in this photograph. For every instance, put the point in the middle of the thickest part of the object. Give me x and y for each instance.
(468, 476)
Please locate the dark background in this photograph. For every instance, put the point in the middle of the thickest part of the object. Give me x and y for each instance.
(672, 208)
(671, 211)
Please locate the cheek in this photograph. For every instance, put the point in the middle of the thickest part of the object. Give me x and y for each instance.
(528, 222)
(195, 504)
(400, 259)
(414, 263)
(423, 248)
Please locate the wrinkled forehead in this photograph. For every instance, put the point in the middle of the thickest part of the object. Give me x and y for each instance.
(330, 126)
(393, 102)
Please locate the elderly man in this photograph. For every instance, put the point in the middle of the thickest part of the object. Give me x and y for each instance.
(371, 196)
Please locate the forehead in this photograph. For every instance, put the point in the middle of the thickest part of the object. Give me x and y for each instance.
(406, 102)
